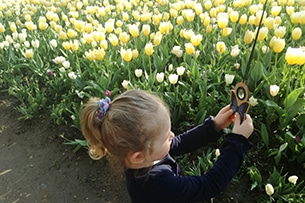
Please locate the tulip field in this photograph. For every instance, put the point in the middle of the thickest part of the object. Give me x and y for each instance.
(56, 54)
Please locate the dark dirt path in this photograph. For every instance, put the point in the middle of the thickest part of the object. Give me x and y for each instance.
(35, 165)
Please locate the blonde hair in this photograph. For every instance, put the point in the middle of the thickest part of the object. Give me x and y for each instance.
(130, 124)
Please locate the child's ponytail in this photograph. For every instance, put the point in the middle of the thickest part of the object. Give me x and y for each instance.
(91, 128)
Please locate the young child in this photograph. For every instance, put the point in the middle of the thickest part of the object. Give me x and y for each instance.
(135, 129)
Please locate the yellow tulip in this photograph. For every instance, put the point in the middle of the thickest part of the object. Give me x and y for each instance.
(13, 27)
(134, 30)
(222, 21)
(146, 29)
(66, 45)
(221, 47)
(88, 28)
(278, 20)
(42, 19)
(179, 20)
(109, 26)
(89, 55)
(295, 56)
(198, 8)
(75, 45)
(226, 31)
(157, 38)
(275, 10)
(277, 44)
(263, 32)
(126, 54)
(30, 25)
(99, 54)
(163, 27)
(71, 33)
(190, 15)
(79, 25)
(136, 15)
(104, 44)
(253, 9)
(149, 49)
(243, 19)
(124, 37)
(282, 2)
(189, 48)
(209, 28)
(208, 5)
(196, 39)
(113, 40)
(269, 23)
(290, 10)
(295, 17)
(290, 2)
(213, 12)
(206, 21)
(166, 16)
(29, 53)
(125, 16)
(2, 28)
(234, 16)
(156, 19)
(63, 35)
(280, 31)
(296, 33)
(135, 53)
(173, 12)
(251, 20)
(248, 37)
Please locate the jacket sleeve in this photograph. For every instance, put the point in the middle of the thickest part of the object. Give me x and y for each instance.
(171, 188)
(195, 138)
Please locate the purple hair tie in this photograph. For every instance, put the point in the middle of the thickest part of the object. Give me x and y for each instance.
(103, 106)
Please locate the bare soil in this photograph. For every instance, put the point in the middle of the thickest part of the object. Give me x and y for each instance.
(35, 165)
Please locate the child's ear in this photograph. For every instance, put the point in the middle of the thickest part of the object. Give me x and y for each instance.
(136, 157)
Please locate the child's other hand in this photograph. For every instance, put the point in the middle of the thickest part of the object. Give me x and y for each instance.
(245, 129)
(223, 119)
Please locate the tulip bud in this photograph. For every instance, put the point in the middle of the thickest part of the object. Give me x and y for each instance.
(160, 77)
(221, 47)
(243, 19)
(138, 72)
(234, 16)
(253, 101)
(248, 37)
(146, 29)
(134, 30)
(229, 79)
(149, 49)
(235, 51)
(269, 189)
(293, 179)
(180, 70)
(189, 48)
(173, 78)
(274, 90)
(177, 51)
(296, 33)
(125, 83)
(280, 31)
(126, 54)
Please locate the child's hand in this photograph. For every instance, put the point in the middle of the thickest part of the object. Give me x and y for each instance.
(245, 129)
(223, 119)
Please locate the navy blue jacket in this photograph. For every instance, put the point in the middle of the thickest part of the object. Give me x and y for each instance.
(162, 183)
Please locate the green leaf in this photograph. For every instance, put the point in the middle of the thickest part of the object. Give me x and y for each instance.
(257, 72)
(265, 135)
(292, 97)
